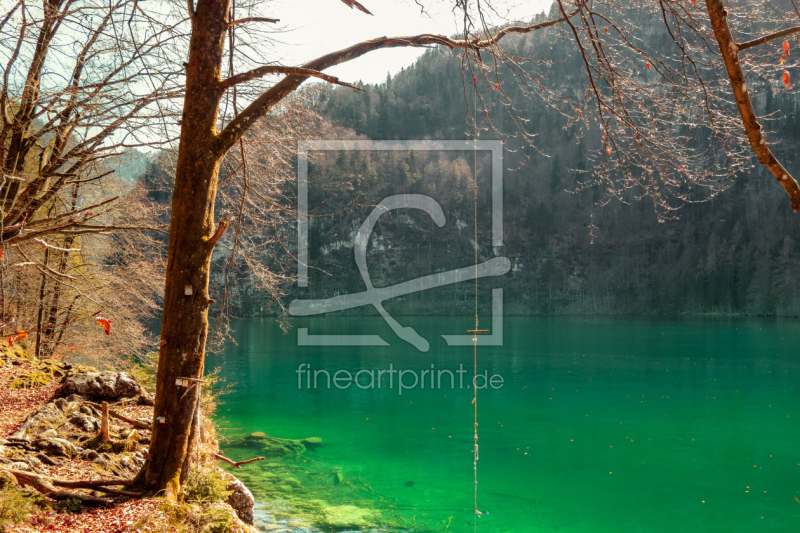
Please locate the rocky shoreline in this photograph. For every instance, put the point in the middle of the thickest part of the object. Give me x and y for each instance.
(55, 441)
(61, 443)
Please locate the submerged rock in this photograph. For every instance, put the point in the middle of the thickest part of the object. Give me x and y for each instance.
(345, 517)
(312, 442)
(275, 446)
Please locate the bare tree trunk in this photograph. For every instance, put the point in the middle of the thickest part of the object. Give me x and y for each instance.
(52, 315)
(40, 316)
(184, 325)
(64, 325)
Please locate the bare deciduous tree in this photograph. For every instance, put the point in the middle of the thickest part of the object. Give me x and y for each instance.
(83, 81)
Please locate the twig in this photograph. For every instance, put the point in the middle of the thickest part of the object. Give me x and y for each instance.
(48, 245)
(251, 19)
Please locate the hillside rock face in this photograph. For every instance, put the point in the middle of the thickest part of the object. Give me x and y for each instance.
(102, 386)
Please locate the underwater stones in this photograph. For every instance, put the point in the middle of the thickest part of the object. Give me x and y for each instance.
(109, 386)
(273, 446)
(345, 517)
(292, 482)
(312, 442)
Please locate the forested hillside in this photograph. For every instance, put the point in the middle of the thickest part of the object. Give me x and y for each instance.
(573, 249)
(733, 254)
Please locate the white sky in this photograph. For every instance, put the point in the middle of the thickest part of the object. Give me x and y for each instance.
(316, 27)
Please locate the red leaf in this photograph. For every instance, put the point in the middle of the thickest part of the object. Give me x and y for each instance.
(497, 86)
(648, 65)
(606, 29)
(486, 112)
(786, 48)
(19, 336)
(105, 322)
(474, 79)
(786, 78)
(580, 112)
(2, 251)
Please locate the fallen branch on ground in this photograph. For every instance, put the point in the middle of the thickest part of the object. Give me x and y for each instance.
(119, 416)
(237, 464)
(131, 421)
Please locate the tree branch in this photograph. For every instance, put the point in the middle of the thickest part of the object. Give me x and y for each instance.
(767, 38)
(261, 105)
(251, 19)
(238, 464)
(730, 56)
(276, 69)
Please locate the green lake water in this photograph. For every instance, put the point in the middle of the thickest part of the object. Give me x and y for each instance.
(601, 425)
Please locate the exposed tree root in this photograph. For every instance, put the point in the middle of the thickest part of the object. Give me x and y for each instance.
(48, 487)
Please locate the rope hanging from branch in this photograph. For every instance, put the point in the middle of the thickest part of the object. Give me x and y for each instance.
(477, 331)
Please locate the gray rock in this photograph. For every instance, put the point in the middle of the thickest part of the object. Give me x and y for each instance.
(110, 386)
(84, 422)
(56, 446)
(49, 433)
(90, 455)
(146, 399)
(241, 500)
(19, 465)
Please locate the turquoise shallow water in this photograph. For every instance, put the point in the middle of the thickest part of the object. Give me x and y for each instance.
(602, 425)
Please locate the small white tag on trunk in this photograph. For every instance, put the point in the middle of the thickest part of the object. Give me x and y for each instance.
(187, 290)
